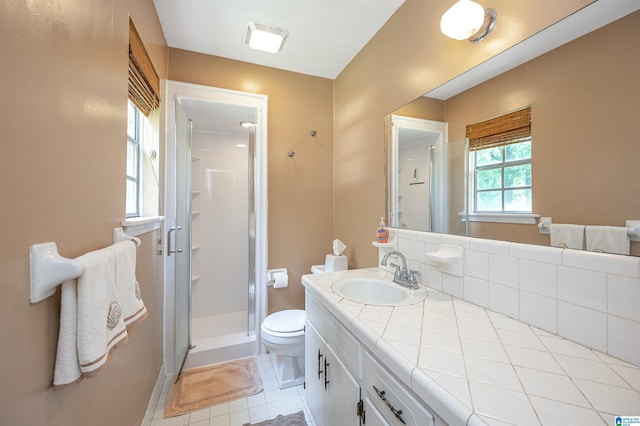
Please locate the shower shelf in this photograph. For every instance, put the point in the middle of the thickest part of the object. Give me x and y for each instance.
(194, 193)
(195, 158)
(195, 213)
(194, 248)
(195, 278)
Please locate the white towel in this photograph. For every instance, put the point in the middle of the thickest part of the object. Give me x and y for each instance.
(67, 369)
(133, 308)
(100, 321)
(96, 308)
(567, 236)
(608, 239)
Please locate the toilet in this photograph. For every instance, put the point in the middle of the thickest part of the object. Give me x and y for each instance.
(283, 334)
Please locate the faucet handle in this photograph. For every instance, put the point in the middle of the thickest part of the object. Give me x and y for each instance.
(398, 272)
(412, 276)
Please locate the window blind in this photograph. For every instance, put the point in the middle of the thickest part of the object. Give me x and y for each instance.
(144, 83)
(506, 129)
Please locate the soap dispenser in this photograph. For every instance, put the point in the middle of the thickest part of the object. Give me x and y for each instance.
(383, 234)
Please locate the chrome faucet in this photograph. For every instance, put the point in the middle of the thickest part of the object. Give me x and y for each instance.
(402, 276)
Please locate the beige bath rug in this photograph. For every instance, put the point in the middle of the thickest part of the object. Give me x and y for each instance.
(295, 419)
(214, 384)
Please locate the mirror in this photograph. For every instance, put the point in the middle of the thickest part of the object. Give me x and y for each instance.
(585, 145)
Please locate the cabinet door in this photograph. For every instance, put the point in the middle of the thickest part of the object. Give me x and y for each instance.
(314, 358)
(373, 417)
(343, 394)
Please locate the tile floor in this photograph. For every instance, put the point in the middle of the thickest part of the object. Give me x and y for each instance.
(269, 403)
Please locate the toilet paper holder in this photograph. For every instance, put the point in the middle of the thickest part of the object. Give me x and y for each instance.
(273, 273)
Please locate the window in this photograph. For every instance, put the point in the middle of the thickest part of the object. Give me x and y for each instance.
(500, 157)
(134, 144)
(142, 186)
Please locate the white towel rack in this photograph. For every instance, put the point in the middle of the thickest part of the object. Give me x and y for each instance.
(633, 227)
(48, 269)
(545, 225)
(119, 235)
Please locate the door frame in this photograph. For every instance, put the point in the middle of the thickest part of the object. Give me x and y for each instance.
(260, 102)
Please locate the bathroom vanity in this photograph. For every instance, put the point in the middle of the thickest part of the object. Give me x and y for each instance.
(446, 361)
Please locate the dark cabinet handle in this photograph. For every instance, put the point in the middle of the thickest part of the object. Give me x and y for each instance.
(326, 364)
(319, 364)
(397, 413)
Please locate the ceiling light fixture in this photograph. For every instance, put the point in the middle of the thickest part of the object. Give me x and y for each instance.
(468, 20)
(266, 37)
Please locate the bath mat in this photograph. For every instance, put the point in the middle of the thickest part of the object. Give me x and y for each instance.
(295, 419)
(214, 384)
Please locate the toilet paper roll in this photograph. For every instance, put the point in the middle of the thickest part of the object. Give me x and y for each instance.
(280, 279)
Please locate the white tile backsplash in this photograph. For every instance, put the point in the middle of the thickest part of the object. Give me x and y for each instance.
(540, 311)
(476, 291)
(624, 297)
(624, 336)
(590, 298)
(505, 300)
(476, 264)
(504, 270)
(583, 325)
(582, 287)
(539, 278)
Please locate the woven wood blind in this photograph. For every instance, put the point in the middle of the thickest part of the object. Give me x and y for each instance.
(503, 130)
(144, 83)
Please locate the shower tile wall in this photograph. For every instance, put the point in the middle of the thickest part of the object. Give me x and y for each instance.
(219, 223)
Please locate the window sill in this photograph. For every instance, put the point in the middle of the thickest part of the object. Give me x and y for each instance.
(135, 226)
(519, 218)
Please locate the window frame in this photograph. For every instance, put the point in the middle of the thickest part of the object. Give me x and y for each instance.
(137, 177)
(502, 165)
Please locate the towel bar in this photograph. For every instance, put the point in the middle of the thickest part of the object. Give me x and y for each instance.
(48, 269)
(633, 227)
(119, 235)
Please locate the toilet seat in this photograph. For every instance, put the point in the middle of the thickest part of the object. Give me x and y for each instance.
(289, 322)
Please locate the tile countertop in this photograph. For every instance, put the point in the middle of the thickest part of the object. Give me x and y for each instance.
(475, 366)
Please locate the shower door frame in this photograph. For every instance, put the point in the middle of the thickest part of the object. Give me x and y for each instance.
(177, 89)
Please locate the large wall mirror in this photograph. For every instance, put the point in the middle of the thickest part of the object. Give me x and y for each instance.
(585, 144)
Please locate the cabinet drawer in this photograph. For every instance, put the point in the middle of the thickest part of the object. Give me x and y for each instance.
(336, 335)
(394, 393)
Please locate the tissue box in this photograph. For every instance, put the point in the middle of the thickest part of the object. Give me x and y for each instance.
(334, 263)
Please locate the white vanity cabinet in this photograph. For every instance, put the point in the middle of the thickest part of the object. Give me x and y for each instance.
(332, 368)
(332, 393)
(346, 385)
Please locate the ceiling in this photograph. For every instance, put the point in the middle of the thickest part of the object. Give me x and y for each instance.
(324, 35)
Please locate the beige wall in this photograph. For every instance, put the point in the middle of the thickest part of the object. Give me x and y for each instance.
(300, 188)
(63, 136)
(408, 57)
(584, 102)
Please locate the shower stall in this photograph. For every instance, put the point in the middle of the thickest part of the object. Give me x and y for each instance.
(217, 232)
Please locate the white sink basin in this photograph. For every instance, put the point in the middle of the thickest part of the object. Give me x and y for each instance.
(377, 291)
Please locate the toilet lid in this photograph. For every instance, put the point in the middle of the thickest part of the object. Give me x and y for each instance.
(287, 321)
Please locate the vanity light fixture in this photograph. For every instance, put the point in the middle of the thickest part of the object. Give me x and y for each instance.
(247, 124)
(468, 20)
(265, 37)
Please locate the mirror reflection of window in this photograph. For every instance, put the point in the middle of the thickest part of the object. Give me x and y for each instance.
(500, 159)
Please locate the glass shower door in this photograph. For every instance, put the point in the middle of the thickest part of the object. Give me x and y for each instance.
(182, 234)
